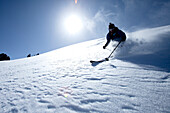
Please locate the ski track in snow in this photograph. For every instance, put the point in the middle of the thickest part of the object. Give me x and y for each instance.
(64, 81)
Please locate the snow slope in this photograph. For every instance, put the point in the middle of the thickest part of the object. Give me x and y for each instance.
(64, 81)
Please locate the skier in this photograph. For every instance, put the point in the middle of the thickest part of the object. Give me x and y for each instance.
(114, 34)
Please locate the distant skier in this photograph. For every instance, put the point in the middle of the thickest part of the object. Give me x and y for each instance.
(114, 34)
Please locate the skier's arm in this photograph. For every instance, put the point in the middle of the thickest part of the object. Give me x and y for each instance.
(108, 41)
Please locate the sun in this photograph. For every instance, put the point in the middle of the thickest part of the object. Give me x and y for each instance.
(73, 24)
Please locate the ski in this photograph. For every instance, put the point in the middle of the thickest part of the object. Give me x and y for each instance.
(106, 59)
(98, 61)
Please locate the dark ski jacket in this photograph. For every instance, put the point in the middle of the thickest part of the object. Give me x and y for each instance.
(117, 35)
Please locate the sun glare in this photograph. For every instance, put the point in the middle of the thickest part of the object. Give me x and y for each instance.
(73, 24)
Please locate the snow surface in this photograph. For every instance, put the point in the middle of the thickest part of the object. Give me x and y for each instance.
(135, 80)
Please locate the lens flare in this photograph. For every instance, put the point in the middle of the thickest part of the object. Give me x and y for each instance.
(65, 92)
(75, 1)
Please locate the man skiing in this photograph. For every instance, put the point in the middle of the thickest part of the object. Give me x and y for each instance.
(114, 34)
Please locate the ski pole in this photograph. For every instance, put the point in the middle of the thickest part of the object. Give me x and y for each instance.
(113, 51)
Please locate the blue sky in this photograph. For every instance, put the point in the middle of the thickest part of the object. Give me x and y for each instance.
(37, 26)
